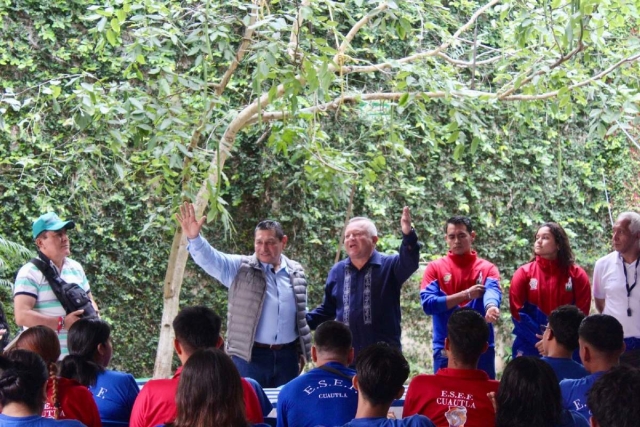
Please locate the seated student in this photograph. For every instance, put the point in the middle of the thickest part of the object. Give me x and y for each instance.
(381, 371)
(90, 350)
(23, 380)
(529, 396)
(324, 395)
(601, 344)
(462, 383)
(66, 399)
(195, 328)
(613, 398)
(560, 340)
(210, 392)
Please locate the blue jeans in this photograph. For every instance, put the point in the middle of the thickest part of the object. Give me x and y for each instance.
(271, 368)
(486, 363)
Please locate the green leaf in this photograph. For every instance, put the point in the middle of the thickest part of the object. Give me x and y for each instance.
(111, 37)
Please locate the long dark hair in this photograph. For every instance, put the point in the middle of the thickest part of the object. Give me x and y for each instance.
(565, 254)
(23, 375)
(210, 392)
(528, 395)
(84, 337)
(43, 341)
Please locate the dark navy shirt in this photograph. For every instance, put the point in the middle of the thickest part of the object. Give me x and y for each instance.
(368, 300)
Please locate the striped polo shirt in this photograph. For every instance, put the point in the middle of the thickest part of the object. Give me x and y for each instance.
(31, 281)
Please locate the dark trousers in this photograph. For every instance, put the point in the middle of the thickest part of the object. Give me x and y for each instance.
(271, 368)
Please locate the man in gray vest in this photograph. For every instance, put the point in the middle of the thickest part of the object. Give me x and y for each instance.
(266, 326)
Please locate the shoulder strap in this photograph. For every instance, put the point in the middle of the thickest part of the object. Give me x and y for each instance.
(335, 371)
(54, 279)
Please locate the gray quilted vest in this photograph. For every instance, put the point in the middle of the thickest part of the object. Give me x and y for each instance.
(246, 296)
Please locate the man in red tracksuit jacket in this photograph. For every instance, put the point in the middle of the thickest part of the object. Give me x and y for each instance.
(461, 279)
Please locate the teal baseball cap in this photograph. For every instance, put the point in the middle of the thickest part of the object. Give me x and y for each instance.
(50, 222)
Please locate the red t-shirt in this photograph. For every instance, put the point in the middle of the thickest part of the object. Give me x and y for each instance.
(76, 403)
(433, 395)
(544, 285)
(156, 403)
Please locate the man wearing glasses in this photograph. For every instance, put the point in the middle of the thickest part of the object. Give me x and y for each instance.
(266, 326)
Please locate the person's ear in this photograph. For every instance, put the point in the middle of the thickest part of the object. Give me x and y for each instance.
(100, 349)
(473, 236)
(374, 239)
(485, 347)
(593, 422)
(284, 241)
(354, 381)
(177, 346)
(314, 354)
(550, 335)
(447, 344)
(351, 356)
(220, 342)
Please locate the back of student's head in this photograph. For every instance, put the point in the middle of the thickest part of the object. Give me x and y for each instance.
(23, 375)
(197, 327)
(381, 372)
(43, 341)
(603, 333)
(565, 322)
(333, 339)
(613, 398)
(84, 338)
(468, 335)
(210, 392)
(528, 395)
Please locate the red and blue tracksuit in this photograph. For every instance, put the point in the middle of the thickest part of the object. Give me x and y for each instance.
(450, 275)
(538, 288)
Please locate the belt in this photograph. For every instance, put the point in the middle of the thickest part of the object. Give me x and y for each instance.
(275, 347)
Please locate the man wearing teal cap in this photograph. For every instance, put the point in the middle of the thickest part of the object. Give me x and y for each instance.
(34, 301)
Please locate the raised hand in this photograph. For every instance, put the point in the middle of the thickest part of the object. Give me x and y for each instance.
(187, 218)
(405, 220)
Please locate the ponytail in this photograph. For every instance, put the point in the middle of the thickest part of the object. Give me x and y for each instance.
(80, 368)
(53, 377)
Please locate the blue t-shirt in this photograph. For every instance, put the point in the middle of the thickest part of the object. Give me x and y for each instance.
(36, 421)
(114, 393)
(412, 421)
(572, 419)
(566, 369)
(265, 403)
(318, 397)
(574, 393)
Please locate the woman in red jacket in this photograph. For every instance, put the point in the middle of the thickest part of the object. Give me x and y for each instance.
(550, 280)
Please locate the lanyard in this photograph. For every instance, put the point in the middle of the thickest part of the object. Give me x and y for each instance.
(633, 285)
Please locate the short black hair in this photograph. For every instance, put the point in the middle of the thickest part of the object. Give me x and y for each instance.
(613, 398)
(565, 322)
(334, 338)
(468, 333)
(602, 332)
(197, 328)
(381, 371)
(529, 394)
(459, 219)
(269, 224)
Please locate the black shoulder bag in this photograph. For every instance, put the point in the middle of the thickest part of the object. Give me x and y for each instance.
(71, 295)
